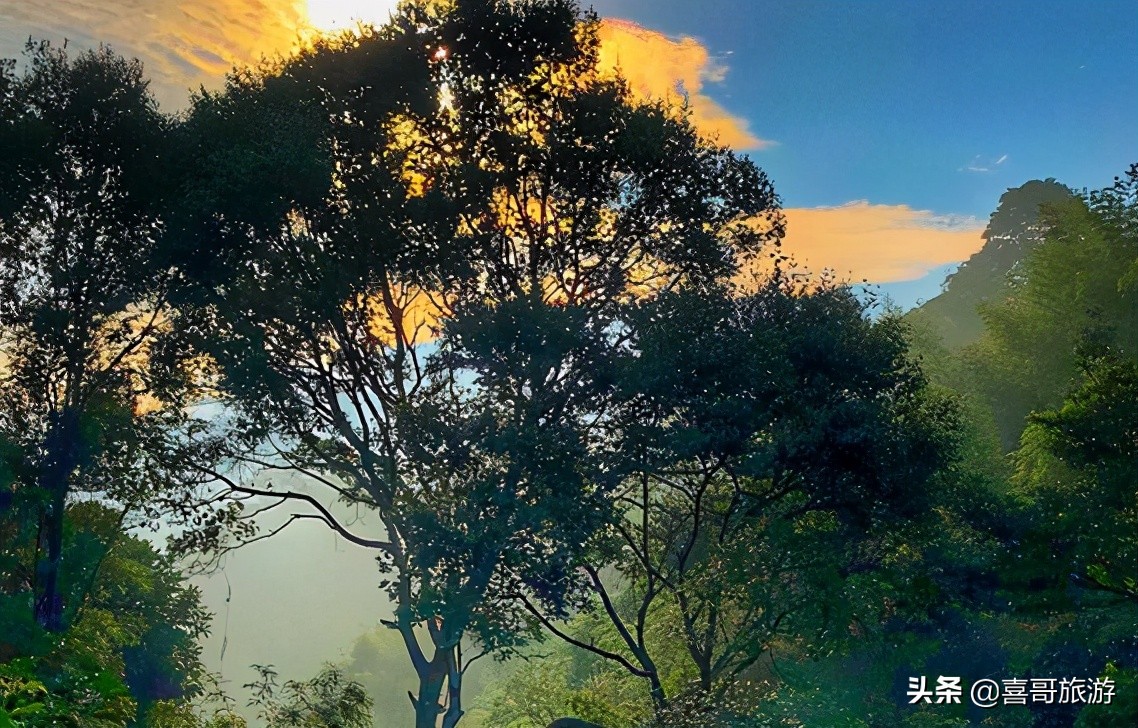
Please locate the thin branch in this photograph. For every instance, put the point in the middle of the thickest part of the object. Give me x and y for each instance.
(610, 609)
(587, 646)
(324, 512)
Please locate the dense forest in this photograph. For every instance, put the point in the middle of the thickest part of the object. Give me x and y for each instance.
(449, 292)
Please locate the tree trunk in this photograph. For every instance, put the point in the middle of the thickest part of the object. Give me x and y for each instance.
(655, 688)
(445, 664)
(427, 701)
(62, 450)
(427, 705)
(454, 690)
(702, 659)
(49, 602)
(659, 700)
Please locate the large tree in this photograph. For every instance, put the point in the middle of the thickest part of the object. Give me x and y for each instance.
(84, 388)
(420, 296)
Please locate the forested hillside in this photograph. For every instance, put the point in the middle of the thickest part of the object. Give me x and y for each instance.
(452, 294)
(1013, 231)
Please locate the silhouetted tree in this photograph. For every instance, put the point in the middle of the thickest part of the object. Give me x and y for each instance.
(420, 314)
(84, 381)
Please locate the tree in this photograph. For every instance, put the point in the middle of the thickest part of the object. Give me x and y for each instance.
(1077, 468)
(131, 645)
(84, 378)
(779, 443)
(1053, 375)
(328, 700)
(777, 439)
(1072, 572)
(421, 318)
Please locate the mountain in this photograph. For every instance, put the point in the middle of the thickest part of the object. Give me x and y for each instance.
(1011, 232)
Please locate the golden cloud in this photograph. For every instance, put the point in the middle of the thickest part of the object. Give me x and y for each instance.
(184, 44)
(659, 67)
(187, 44)
(878, 243)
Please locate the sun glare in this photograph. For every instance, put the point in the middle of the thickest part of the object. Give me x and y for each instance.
(341, 14)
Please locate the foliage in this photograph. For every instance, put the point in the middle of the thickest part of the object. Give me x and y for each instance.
(451, 274)
(1019, 566)
(1071, 572)
(328, 700)
(1076, 469)
(90, 379)
(1123, 711)
(777, 444)
(560, 681)
(131, 641)
(419, 315)
(1074, 285)
(1056, 370)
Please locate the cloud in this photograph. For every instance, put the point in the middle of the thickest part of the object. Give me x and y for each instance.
(186, 44)
(183, 44)
(879, 243)
(980, 165)
(659, 67)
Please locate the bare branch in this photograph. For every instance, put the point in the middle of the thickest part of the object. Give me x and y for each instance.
(325, 514)
(588, 646)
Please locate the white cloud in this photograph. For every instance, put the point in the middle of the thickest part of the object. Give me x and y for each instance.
(982, 164)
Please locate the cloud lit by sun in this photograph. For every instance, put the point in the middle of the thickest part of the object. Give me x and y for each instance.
(679, 70)
(187, 45)
(344, 14)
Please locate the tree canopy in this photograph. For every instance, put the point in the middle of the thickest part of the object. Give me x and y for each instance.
(420, 316)
(448, 275)
(89, 378)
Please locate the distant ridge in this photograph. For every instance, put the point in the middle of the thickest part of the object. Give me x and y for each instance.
(1010, 234)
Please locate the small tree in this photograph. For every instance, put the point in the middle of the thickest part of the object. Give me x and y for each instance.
(774, 440)
(329, 700)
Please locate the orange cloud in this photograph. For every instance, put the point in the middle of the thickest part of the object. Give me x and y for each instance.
(183, 44)
(659, 67)
(186, 44)
(878, 243)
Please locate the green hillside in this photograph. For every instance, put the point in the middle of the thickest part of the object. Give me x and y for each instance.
(1010, 234)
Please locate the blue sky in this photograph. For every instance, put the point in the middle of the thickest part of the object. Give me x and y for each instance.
(893, 102)
(896, 125)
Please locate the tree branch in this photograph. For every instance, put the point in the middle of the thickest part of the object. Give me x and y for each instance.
(325, 514)
(587, 646)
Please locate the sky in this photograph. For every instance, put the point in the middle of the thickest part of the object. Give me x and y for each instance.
(890, 130)
(889, 127)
